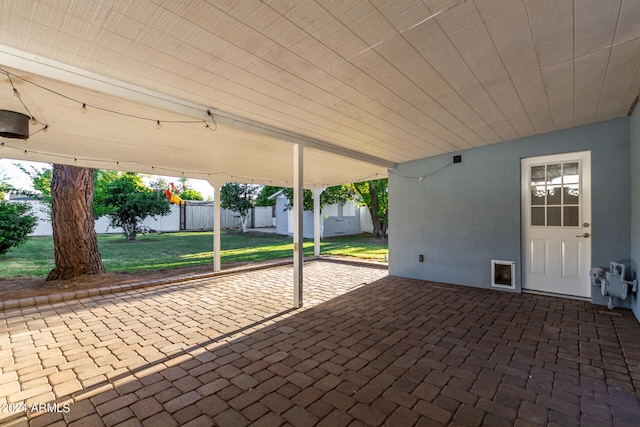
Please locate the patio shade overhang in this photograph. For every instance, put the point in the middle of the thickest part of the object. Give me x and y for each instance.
(362, 85)
(124, 127)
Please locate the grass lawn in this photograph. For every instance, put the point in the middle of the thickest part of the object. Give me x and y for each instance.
(178, 250)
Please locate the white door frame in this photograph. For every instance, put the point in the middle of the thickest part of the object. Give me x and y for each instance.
(557, 259)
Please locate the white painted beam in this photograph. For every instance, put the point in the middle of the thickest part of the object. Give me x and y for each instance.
(298, 226)
(217, 246)
(317, 220)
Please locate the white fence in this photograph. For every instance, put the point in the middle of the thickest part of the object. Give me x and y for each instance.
(366, 224)
(263, 216)
(197, 216)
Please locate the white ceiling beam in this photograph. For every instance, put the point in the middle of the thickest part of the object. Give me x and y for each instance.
(25, 61)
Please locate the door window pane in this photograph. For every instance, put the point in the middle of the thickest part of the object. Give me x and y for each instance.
(538, 195)
(554, 216)
(554, 173)
(538, 188)
(571, 172)
(571, 216)
(571, 183)
(537, 216)
(571, 194)
(554, 195)
(538, 175)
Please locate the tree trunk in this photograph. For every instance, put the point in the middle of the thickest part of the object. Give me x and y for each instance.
(378, 230)
(129, 231)
(377, 227)
(74, 237)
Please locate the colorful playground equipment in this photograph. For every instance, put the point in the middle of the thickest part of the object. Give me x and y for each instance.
(172, 196)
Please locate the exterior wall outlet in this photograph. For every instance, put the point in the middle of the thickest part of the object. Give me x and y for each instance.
(457, 158)
(421, 258)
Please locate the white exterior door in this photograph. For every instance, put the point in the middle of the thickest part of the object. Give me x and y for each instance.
(556, 223)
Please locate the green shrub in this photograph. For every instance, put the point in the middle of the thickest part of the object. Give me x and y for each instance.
(190, 194)
(16, 222)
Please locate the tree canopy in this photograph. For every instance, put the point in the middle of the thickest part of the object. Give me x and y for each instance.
(335, 194)
(191, 194)
(41, 182)
(16, 222)
(127, 201)
(5, 187)
(375, 196)
(101, 180)
(239, 198)
(263, 195)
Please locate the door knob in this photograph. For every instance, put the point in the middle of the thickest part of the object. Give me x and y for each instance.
(584, 235)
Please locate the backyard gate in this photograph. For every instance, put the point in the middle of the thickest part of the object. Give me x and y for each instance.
(196, 216)
(183, 216)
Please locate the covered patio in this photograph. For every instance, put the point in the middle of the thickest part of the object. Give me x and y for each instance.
(306, 95)
(366, 349)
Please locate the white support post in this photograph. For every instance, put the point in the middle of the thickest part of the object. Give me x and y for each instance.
(298, 211)
(217, 185)
(317, 220)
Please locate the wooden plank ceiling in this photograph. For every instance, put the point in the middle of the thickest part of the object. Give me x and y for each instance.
(395, 80)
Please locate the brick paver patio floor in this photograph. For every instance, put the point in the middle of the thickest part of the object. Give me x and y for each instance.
(366, 349)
